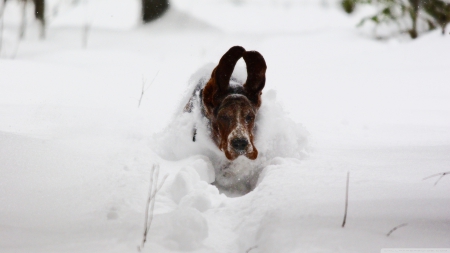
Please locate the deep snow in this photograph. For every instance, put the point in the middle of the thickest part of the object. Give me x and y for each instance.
(76, 150)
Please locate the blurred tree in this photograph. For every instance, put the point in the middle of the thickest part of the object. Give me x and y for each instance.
(348, 5)
(440, 11)
(39, 13)
(153, 9)
(406, 15)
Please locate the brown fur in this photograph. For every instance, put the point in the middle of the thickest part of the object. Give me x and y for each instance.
(231, 111)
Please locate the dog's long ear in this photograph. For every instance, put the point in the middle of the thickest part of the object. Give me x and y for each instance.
(217, 87)
(222, 73)
(256, 76)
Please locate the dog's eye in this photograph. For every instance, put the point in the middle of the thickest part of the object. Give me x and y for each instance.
(248, 118)
(224, 118)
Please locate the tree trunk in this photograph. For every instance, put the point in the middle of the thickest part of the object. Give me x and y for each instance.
(414, 12)
(153, 9)
(39, 13)
(23, 22)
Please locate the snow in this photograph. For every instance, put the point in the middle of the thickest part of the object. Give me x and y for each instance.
(76, 149)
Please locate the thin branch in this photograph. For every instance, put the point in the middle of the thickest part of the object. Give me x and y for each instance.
(153, 190)
(159, 187)
(395, 228)
(440, 175)
(251, 248)
(152, 80)
(346, 200)
(147, 206)
(152, 204)
(144, 89)
(150, 218)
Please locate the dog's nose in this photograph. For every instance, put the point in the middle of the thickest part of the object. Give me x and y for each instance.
(239, 144)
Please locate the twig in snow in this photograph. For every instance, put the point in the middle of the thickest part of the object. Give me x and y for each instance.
(395, 228)
(144, 89)
(251, 248)
(346, 200)
(154, 189)
(147, 206)
(441, 175)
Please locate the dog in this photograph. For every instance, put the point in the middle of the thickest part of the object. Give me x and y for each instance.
(231, 107)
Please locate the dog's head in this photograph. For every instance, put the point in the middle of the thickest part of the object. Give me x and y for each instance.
(232, 109)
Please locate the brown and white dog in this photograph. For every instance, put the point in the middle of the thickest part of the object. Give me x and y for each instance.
(230, 107)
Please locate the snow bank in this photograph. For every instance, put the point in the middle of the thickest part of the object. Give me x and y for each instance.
(183, 229)
(179, 222)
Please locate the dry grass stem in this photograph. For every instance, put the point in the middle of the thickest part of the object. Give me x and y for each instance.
(395, 228)
(346, 200)
(440, 175)
(150, 205)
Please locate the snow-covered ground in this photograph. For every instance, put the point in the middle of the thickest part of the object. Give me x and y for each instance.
(76, 150)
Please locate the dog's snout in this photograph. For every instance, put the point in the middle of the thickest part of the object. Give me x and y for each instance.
(239, 144)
